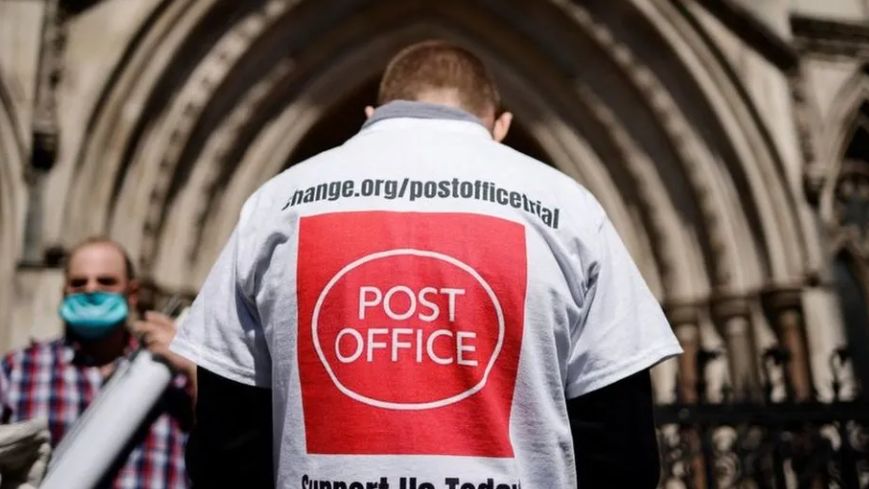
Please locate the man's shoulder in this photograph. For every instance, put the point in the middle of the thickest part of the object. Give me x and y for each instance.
(276, 186)
(313, 163)
(35, 351)
(545, 174)
(542, 169)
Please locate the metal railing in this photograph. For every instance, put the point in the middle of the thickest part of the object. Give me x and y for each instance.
(764, 444)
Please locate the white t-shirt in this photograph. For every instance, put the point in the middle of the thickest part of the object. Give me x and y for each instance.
(423, 301)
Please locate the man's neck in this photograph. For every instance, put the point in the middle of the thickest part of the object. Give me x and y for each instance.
(103, 351)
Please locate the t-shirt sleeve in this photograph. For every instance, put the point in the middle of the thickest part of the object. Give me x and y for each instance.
(622, 329)
(222, 332)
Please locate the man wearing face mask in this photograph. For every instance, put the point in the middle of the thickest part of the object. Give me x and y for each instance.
(58, 379)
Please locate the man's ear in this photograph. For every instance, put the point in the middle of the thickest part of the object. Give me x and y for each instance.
(502, 126)
(133, 294)
(369, 110)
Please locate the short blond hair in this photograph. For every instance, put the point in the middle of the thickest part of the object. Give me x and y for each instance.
(439, 65)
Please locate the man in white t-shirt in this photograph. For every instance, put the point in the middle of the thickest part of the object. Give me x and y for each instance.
(425, 308)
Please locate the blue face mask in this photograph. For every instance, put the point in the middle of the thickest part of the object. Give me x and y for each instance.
(93, 315)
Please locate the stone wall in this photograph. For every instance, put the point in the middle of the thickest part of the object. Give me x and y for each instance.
(699, 125)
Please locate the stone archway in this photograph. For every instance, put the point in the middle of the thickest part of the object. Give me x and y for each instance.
(12, 193)
(203, 110)
(343, 121)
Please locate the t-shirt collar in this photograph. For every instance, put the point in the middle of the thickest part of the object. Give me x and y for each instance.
(419, 110)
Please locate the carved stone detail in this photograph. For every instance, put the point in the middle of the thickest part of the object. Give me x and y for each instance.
(784, 306)
(681, 137)
(831, 38)
(205, 81)
(733, 320)
(684, 319)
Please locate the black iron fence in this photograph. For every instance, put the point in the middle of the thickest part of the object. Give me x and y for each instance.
(764, 444)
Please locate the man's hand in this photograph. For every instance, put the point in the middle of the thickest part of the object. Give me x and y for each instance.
(156, 331)
(24, 451)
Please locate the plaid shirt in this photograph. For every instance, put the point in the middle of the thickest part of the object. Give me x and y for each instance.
(43, 380)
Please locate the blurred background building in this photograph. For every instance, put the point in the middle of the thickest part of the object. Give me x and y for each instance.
(727, 139)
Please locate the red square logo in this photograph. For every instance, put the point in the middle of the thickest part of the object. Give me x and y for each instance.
(410, 328)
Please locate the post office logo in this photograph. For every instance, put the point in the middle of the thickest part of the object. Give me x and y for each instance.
(410, 328)
(404, 335)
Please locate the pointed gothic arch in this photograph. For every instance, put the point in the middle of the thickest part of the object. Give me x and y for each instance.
(212, 98)
(843, 167)
(12, 194)
(186, 101)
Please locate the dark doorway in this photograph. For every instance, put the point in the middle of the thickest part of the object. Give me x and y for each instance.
(345, 117)
(852, 298)
(851, 210)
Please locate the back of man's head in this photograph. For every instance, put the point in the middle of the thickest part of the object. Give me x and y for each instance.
(439, 72)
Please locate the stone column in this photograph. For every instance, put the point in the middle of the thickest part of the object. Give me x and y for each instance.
(45, 135)
(732, 318)
(691, 386)
(683, 318)
(785, 312)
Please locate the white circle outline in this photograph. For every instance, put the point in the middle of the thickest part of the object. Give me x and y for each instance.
(408, 406)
